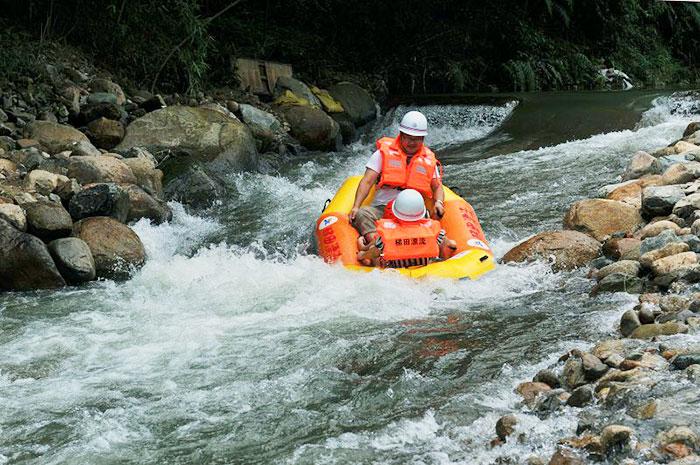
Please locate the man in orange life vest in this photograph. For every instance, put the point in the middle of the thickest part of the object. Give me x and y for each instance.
(399, 163)
(408, 238)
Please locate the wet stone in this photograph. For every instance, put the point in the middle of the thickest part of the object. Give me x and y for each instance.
(618, 282)
(653, 330)
(646, 314)
(625, 267)
(645, 411)
(593, 368)
(614, 360)
(600, 263)
(681, 434)
(530, 390)
(615, 437)
(580, 396)
(695, 306)
(693, 373)
(505, 426)
(73, 259)
(629, 322)
(681, 316)
(657, 242)
(683, 361)
(106, 199)
(573, 373)
(551, 401)
(565, 457)
(547, 377)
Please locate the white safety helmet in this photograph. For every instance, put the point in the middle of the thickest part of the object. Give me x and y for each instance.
(409, 205)
(414, 124)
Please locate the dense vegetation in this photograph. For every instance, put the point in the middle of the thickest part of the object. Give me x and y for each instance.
(411, 45)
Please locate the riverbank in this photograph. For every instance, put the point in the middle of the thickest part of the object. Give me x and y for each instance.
(628, 392)
(81, 159)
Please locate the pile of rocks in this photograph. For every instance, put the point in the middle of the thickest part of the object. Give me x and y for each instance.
(80, 159)
(641, 237)
(641, 234)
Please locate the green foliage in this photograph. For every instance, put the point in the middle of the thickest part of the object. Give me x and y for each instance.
(413, 45)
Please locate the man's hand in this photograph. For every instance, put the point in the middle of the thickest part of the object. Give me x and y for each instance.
(353, 214)
(439, 209)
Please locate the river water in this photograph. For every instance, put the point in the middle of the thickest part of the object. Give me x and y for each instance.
(234, 344)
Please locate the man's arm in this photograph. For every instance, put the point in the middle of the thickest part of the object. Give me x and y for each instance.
(366, 183)
(438, 196)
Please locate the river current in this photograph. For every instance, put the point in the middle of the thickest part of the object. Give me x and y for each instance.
(235, 344)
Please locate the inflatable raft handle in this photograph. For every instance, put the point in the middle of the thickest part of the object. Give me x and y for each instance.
(325, 205)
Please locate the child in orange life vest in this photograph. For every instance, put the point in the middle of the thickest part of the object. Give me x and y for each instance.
(407, 239)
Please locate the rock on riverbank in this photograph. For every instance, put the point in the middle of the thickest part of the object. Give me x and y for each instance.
(647, 229)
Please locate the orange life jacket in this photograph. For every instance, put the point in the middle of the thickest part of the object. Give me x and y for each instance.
(405, 240)
(417, 175)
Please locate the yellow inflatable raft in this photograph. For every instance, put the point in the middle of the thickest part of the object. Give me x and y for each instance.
(337, 239)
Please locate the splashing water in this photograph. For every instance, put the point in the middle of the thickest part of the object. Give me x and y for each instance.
(232, 345)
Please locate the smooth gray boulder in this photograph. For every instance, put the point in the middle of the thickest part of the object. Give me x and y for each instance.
(59, 137)
(260, 122)
(73, 259)
(87, 170)
(48, 220)
(26, 263)
(184, 137)
(357, 102)
(313, 128)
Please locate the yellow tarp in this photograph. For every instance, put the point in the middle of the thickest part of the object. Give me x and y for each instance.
(330, 105)
(290, 98)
